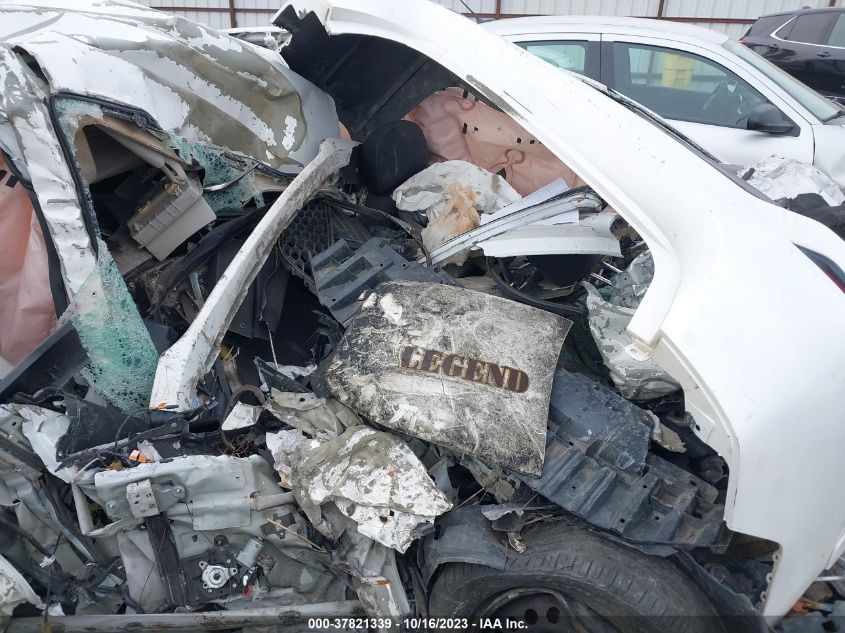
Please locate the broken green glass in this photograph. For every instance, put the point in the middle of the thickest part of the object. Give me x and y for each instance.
(123, 357)
(219, 170)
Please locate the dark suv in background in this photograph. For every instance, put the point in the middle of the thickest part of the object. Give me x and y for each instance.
(808, 44)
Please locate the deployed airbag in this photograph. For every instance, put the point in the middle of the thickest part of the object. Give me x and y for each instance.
(27, 314)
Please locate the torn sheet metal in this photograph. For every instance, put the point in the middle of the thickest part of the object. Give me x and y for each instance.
(629, 287)
(375, 574)
(374, 479)
(181, 366)
(631, 367)
(14, 590)
(506, 225)
(781, 178)
(43, 428)
(241, 416)
(282, 445)
(194, 81)
(321, 418)
(24, 103)
(432, 190)
(465, 370)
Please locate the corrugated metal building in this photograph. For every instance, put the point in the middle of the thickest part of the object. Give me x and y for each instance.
(730, 16)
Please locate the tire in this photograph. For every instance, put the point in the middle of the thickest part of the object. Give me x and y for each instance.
(603, 585)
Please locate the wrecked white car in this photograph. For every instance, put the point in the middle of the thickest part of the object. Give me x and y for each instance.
(499, 348)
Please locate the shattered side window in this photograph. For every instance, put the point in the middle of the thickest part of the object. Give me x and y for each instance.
(151, 197)
(229, 186)
(123, 358)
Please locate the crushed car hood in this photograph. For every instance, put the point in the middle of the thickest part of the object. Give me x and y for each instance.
(183, 80)
(192, 80)
(749, 364)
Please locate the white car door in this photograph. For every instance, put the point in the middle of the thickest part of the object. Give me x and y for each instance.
(704, 94)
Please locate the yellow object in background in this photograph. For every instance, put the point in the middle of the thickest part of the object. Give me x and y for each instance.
(677, 71)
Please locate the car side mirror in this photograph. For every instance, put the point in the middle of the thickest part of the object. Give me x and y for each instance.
(764, 117)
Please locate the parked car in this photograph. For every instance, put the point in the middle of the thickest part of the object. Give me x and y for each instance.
(267, 402)
(808, 44)
(719, 93)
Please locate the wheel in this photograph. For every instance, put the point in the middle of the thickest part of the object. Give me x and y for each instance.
(572, 580)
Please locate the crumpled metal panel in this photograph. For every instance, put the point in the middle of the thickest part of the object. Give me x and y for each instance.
(373, 478)
(195, 82)
(634, 372)
(599, 468)
(465, 370)
(23, 103)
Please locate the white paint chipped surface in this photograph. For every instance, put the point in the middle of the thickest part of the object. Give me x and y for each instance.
(290, 132)
(194, 81)
(23, 104)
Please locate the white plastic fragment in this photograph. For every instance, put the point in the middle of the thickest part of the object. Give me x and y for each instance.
(241, 416)
(146, 447)
(782, 178)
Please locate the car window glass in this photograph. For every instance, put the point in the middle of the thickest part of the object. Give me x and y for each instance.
(767, 24)
(808, 28)
(822, 108)
(837, 35)
(683, 86)
(568, 55)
